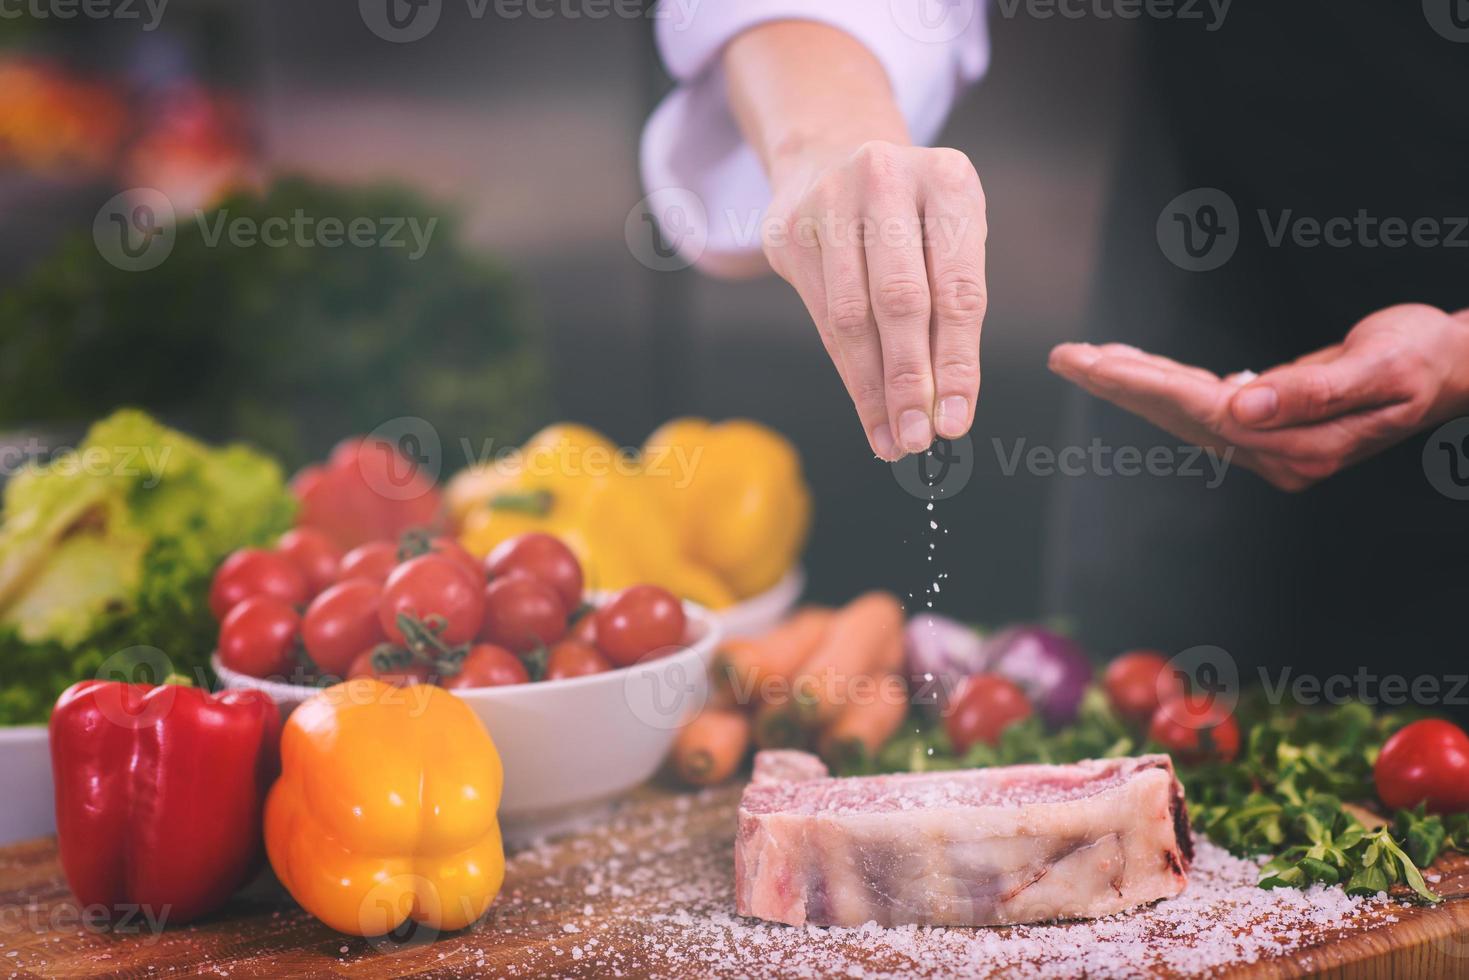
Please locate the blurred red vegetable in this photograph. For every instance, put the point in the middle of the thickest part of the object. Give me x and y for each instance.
(367, 490)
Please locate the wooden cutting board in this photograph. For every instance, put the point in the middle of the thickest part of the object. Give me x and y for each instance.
(644, 891)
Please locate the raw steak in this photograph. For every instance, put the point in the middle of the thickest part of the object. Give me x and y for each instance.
(971, 848)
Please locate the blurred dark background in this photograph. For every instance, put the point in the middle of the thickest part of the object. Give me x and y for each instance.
(523, 134)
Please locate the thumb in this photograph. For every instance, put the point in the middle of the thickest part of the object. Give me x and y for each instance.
(1307, 392)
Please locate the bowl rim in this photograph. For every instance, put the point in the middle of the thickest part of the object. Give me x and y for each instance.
(702, 645)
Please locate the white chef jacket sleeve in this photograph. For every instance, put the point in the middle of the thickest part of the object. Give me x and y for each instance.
(705, 185)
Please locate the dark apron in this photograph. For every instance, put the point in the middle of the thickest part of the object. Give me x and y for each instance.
(1324, 109)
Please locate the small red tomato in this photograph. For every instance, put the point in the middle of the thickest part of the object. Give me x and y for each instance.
(1425, 761)
(374, 561)
(545, 557)
(584, 630)
(1137, 682)
(397, 675)
(487, 665)
(1194, 733)
(982, 707)
(522, 613)
(452, 550)
(640, 620)
(572, 658)
(255, 571)
(435, 591)
(341, 623)
(258, 637)
(314, 554)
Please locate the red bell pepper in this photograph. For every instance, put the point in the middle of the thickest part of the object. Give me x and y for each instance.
(159, 794)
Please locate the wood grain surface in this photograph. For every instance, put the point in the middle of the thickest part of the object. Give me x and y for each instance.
(612, 900)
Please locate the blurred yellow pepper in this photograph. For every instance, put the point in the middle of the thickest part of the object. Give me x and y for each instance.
(633, 539)
(713, 513)
(749, 505)
(565, 460)
(386, 809)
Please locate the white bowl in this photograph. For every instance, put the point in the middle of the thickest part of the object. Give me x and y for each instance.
(760, 613)
(29, 809)
(569, 744)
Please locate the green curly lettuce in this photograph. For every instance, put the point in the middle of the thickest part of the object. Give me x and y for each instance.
(108, 550)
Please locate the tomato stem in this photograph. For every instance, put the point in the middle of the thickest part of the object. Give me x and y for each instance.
(424, 643)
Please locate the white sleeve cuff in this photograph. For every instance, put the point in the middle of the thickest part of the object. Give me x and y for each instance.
(694, 159)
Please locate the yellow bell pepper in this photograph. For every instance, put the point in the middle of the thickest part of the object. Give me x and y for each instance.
(670, 458)
(541, 488)
(632, 539)
(386, 809)
(749, 506)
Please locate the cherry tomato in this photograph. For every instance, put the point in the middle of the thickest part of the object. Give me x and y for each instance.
(584, 630)
(341, 623)
(258, 637)
(454, 551)
(544, 557)
(522, 613)
(374, 560)
(1137, 682)
(640, 620)
(487, 665)
(431, 588)
(416, 672)
(572, 658)
(314, 554)
(982, 707)
(1427, 760)
(1193, 732)
(255, 571)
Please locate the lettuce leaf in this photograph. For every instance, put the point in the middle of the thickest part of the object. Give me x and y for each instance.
(106, 554)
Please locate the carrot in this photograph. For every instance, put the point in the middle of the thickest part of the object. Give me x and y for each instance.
(748, 667)
(778, 726)
(859, 642)
(711, 747)
(866, 724)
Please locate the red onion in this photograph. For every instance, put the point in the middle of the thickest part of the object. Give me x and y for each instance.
(1051, 669)
(941, 652)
